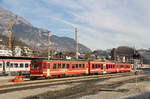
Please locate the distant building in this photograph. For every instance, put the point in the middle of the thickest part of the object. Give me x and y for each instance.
(17, 51)
(27, 51)
(5, 53)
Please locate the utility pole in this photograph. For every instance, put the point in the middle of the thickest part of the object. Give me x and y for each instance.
(135, 66)
(76, 38)
(49, 43)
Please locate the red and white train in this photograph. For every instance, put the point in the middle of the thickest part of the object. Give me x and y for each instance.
(45, 68)
(14, 66)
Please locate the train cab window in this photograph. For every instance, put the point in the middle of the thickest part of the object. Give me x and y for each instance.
(63, 65)
(48, 65)
(73, 65)
(16, 65)
(59, 65)
(101, 66)
(93, 66)
(80, 66)
(35, 65)
(83, 66)
(76, 65)
(54, 66)
(21, 65)
(68, 66)
(26, 65)
(0, 65)
(44, 66)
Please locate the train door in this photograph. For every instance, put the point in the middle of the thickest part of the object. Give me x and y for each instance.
(44, 69)
(1, 67)
(4, 67)
(48, 69)
(89, 67)
(104, 68)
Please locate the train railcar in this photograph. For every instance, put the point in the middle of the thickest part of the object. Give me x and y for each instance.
(107, 67)
(123, 67)
(111, 67)
(14, 66)
(96, 67)
(45, 68)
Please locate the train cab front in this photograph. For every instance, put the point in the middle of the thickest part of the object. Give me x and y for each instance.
(35, 70)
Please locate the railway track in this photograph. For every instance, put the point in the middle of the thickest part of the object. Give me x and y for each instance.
(44, 83)
(32, 82)
(84, 88)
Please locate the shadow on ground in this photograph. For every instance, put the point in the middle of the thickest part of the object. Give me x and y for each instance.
(141, 96)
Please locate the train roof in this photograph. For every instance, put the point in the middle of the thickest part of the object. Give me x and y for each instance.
(61, 60)
(25, 58)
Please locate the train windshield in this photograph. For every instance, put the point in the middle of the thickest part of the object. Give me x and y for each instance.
(36, 65)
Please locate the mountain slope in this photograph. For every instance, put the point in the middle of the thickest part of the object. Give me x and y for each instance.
(34, 36)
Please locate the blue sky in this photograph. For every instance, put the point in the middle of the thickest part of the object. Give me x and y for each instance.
(102, 24)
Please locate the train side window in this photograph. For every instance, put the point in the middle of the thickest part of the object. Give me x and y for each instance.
(92, 65)
(48, 65)
(59, 65)
(83, 65)
(107, 66)
(101, 66)
(111, 66)
(0, 65)
(44, 66)
(54, 66)
(16, 65)
(26, 65)
(80, 66)
(120, 66)
(86, 65)
(68, 66)
(76, 65)
(63, 65)
(73, 65)
(11, 65)
(21, 65)
(95, 65)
